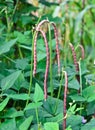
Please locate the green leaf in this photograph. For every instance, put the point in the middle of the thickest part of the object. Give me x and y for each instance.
(73, 84)
(51, 126)
(91, 108)
(8, 124)
(92, 98)
(89, 93)
(53, 105)
(21, 63)
(12, 113)
(19, 96)
(89, 126)
(93, 129)
(38, 94)
(90, 78)
(80, 16)
(33, 105)
(74, 121)
(71, 110)
(3, 104)
(5, 47)
(25, 125)
(8, 81)
(78, 98)
(26, 19)
(23, 38)
(20, 83)
(57, 118)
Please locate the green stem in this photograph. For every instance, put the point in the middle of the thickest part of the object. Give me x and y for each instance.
(32, 55)
(37, 117)
(51, 81)
(80, 74)
(15, 8)
(31, 71)
(20, 53)
(61, 119)
(9, 58)
(59, 91)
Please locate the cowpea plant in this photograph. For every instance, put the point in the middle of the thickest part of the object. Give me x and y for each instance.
(22, 106)
(38, 29)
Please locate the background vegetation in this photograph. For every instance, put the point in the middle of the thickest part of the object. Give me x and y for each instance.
(22, 104)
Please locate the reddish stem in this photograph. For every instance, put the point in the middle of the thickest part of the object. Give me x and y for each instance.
(74, 57)
(47, 52)
(40, 24)
(47, 64)
(35, 55)
(47, 60)
(35, 42)
(75, 63)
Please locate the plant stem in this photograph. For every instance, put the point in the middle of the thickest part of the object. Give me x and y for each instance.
(20, 53)
(82, 51)
(36, 110)
(62, 119)
(74, 57)
(51, 81)
(31, 71)
(15, 8)
(47, 64)
(65, 99)
(80, 83)
(80, 77)
(32, 55)
(9, 58)
(59, 91)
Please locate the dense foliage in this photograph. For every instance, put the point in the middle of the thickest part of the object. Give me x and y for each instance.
(47, 65)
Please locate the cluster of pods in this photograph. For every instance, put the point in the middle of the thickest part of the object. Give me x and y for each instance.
(39, 30)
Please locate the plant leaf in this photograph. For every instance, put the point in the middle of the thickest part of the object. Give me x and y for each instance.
(12, 113)
(80, 16)
(91, 108)
(89, 92)
(21, 63)
(89, 126)
(4, 103)
(38, 94)
(9, 124)
(73, 84)
(33, 105)
(25, 125)
(51, 126)
(8, 81)
(77, 97)
(21, 96)
(5, 47)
